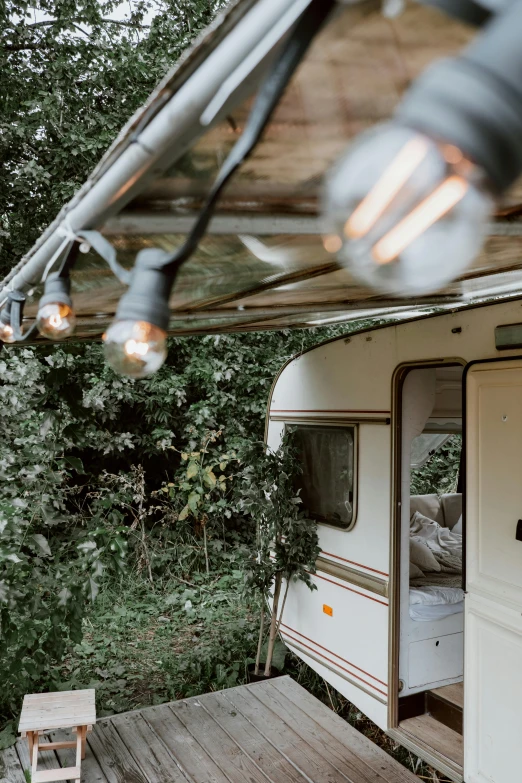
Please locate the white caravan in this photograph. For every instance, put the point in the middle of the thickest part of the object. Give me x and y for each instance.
(399, 640)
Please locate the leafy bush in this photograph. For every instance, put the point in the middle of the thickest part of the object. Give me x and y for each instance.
(94, 481)
(287, 544)
(441, 471)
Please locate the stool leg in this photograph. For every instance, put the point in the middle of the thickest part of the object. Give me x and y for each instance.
(84, 740)
(79, 748)
(30, 745)
(36, 742)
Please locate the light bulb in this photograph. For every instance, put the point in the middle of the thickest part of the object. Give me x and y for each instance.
(6, 333)
(56, 320)
(135, 348)
(405, 213)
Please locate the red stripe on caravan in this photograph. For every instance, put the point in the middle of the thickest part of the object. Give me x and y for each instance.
(369, 684)
(335, 654)
(369, 597)
(330, 554)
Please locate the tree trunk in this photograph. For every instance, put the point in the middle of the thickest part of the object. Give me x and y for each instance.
(273, 625)
(260, 640)
(205, 546)
(282, 608)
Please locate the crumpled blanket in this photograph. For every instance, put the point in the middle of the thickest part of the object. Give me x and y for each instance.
(445, 546)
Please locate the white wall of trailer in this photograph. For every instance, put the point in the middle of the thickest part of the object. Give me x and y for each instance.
(351, 380)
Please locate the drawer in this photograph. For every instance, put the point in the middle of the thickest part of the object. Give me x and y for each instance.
(439, 658)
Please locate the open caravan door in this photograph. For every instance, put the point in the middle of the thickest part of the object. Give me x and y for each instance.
(493, 606)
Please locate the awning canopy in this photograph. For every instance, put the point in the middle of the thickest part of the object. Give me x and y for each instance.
(262, 264)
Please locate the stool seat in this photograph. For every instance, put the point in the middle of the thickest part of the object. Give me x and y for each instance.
(42, 712)
(61, 710)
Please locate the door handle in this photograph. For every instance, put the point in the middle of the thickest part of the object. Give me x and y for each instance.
(518, 534)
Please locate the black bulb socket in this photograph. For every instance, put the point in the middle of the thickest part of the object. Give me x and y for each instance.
(148, 296)
(475, 101)
(57, 290)
(17, 299)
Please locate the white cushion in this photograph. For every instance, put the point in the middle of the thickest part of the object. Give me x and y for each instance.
(452, 509)
(422, 556)
(458, 527)
(427, 505)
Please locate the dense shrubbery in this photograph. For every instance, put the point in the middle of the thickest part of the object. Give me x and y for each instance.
(102, 476)
(440, 473)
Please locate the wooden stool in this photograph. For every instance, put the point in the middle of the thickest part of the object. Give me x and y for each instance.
(43, 712)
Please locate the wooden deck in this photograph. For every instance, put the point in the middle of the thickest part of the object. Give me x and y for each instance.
(270, 732)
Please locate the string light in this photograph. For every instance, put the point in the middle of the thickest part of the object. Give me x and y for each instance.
(11, 318)
(55, 319)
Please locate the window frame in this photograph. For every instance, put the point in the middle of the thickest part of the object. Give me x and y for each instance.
(336, 425)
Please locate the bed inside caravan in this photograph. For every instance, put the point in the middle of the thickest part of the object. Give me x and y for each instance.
(431, 650)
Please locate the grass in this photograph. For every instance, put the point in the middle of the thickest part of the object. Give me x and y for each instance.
(145, 645)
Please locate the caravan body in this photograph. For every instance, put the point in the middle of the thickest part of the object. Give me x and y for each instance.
(356, 405)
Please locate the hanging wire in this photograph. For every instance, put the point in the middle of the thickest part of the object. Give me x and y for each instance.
(267, 98)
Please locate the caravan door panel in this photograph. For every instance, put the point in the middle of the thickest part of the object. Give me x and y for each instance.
(493, 607)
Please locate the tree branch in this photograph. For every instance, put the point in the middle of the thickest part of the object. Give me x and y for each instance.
(50, 22)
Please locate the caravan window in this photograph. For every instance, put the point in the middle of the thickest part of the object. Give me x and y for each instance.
(327, 480)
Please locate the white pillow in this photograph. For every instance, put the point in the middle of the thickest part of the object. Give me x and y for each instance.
(457, 528)
(422, 556)
(415, 572)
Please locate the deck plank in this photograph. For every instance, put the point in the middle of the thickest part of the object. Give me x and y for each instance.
(112, 755)
(149, 752)
(306, 751)
(197, 765)
(10, 768)
(91, 770)
(269, 732)
(269, 759)
(226, 753)
(376, 758)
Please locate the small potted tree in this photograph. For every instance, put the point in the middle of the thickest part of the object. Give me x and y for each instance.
(286, 543)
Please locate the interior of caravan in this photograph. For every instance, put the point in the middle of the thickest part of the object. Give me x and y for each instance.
(431, 643)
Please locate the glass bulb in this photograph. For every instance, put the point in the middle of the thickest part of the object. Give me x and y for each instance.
(404, 213)
(56, 320)
(135, 348)
(6, 333)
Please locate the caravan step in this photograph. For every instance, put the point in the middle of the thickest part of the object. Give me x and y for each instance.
(436, 736)
(445, 705)
(454, 694)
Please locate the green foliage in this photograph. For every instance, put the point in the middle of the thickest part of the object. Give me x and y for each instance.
(440, 473)
(72, 74)
(93, 481)
(287, 543)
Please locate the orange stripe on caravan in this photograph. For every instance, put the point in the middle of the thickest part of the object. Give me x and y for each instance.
(354, 563)
(337, 584)
(335, 654)
(369, 684)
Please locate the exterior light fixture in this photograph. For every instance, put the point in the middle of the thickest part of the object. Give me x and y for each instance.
(407, 207)
(56, 319)
(11, 317)
(136, 342)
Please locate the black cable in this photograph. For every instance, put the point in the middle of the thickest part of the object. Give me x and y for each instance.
(265, 102)
(69, 259)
